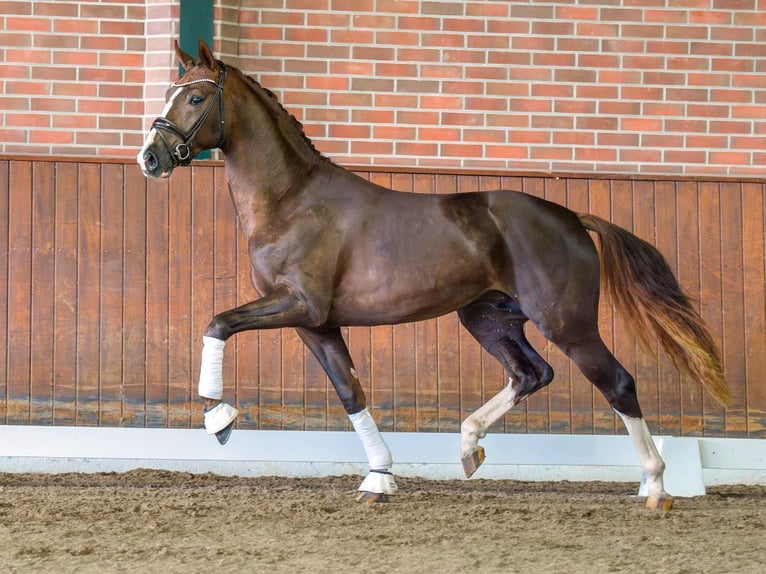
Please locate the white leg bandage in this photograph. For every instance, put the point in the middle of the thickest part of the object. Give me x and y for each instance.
(377, 452)
(211, 370)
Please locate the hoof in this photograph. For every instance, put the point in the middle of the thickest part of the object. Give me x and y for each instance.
(472, 462)
(372, 497)
(224, 434)
(664, 503)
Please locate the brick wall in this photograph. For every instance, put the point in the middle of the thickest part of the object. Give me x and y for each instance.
(80, 78)
(617, 86)
(609, 86)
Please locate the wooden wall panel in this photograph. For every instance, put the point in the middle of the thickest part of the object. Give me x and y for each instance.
(110, 280)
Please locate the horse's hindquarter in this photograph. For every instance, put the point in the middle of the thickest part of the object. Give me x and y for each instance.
(414, 256)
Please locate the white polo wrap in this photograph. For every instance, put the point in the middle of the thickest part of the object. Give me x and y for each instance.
(377, 452)
(211, 369)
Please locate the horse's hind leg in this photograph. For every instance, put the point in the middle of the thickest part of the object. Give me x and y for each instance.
(331, 351)
(498, 324)
(601, 368)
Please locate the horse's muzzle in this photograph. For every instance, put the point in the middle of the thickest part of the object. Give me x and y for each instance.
(154, 161)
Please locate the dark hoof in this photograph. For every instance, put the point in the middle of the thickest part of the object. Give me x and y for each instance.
(371, 497)
(224, 434)
(664, 503)
(472, 462)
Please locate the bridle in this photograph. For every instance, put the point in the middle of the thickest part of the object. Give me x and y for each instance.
(181, 154)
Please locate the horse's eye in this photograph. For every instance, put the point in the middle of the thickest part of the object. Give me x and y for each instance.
(195, 100)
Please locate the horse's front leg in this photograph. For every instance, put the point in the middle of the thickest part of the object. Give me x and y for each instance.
(331, 351)
(280, 309)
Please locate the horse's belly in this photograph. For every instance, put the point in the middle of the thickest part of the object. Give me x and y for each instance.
(390, 301)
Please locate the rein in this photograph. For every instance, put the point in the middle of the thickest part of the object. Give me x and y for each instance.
(181, 154)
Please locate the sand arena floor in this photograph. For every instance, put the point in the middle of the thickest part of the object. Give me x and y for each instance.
(168, 522)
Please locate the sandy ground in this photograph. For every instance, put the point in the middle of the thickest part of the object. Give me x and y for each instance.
(168, 522)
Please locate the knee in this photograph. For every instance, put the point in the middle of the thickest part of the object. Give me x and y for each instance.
(218, 328)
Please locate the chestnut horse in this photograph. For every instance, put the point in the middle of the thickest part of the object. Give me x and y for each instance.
(329, 249)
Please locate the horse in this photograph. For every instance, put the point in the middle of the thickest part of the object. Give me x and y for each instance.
(329, 249)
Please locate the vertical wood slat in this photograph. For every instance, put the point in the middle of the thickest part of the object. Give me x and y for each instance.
(19, 293)
(5, 191)
(110, 281)
(133, 392)
(754, 286)
(111, 301)
(43, 294)
(688, 241)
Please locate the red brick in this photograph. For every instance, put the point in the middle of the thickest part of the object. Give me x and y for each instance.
(306, 35)
(371, 147)
(460, 150)
(299, 5)
(121, 28)
(27, 120)
(418, 55)
(619, 108)
(510, 58)
(51, 137)
(441, 102)
(489, 10)
(730, 127)
(640, 156)
(484, 135)
(72, 121)
(20, 8)
(14, 56)
(22, 24)
(396, 101)
(76, 58)
(375, 116)
(417, 148)
(641, 124)
(397, 133)
(717, 141)
(531, 137)
(710, 17)
(349, 99)
(729, 158)
(601, 153)
(26, 88)
(417, 117)
(372, 53)
(663, 109)
(462, 118)
(558, 153)
(350, 131)
(16, 40)
(508, 121)
(574, 107)
(418, 23)
(684, 156)
(328, 20)
(75, 89)
(597, 123)
(122, 60)
(642, 93)
(281, 18)
(529, 105)
(552, 90)
(397, 6)
(465, 25)
(506, 151)
(53, 104)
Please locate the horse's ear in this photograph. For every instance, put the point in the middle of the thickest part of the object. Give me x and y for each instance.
(183, 58)
(206, 56)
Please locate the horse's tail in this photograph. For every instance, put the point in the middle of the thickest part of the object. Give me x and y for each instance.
(647, 294)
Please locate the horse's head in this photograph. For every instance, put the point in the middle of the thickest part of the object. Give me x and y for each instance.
(193, 119)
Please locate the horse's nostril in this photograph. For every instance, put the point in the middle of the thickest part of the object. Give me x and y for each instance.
(150, 160)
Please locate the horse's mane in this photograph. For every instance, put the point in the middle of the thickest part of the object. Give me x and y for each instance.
(281, 113)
